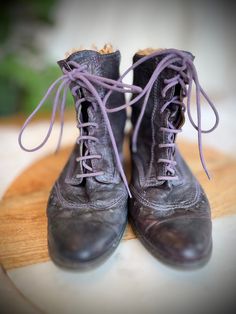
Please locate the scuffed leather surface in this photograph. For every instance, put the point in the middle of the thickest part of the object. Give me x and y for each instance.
(86, 219)
(172, 218)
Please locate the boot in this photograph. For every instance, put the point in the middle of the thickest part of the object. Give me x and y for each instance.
(169, 210)
(87, 207)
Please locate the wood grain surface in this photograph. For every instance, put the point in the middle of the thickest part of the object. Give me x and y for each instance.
(23, 223)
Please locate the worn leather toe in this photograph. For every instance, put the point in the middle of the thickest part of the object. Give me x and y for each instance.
(180, 241)
(79, 244)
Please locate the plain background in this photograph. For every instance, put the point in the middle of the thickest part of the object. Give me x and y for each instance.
(206, 28)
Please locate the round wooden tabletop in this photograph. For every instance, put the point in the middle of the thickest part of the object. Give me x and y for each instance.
(23, 222)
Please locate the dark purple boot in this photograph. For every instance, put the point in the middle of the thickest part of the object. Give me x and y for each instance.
(169, 210)
(87, 208)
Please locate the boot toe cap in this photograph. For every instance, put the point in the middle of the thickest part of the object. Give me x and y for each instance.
(183, 242)
(81, 244)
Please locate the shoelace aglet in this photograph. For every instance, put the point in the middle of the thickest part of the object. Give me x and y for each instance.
(208, 174)
(204, 165)
(137, 89)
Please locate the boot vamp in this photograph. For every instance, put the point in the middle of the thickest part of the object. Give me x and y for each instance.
(181, 193)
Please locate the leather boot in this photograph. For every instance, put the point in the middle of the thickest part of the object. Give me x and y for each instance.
(87, 207)
(169, 210)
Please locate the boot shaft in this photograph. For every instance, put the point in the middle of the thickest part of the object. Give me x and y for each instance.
(151, 137)
(107, 66)
(156, 100)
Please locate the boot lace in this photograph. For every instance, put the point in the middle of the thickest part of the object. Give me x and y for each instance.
(82, 79)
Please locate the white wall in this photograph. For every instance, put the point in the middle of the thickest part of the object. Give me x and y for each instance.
(206, 28)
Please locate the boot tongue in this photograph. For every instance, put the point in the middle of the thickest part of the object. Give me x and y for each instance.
(175, 115)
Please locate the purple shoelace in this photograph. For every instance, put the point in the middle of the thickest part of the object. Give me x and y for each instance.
(86, 80)
(187, 75)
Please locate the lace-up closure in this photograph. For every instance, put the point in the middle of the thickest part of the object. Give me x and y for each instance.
(81, 126)
(181, 63)
(84, 138)
(179, 79)
(78, 75)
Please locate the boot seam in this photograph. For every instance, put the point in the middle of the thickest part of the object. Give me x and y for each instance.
(87, 205)
(154, 205)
